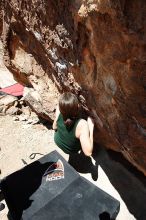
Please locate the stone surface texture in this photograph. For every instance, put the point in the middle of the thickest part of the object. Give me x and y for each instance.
(97, 49)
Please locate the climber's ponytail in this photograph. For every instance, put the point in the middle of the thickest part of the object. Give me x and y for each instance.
(69, 108)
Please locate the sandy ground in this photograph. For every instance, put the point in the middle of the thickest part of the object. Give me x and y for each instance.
(18, 140)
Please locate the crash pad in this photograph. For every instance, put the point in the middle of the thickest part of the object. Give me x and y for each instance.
(15, 90)
(50, 188)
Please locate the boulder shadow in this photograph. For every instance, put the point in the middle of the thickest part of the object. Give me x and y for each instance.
(19, 186)
(127, 180)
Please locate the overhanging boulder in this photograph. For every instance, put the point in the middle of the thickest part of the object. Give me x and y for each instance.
(95, 49)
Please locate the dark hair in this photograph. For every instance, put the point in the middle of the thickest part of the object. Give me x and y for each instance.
(69, 107)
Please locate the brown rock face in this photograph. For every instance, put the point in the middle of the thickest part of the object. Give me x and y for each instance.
(97, 49)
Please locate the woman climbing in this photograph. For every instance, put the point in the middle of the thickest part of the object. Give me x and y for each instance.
(72, 133)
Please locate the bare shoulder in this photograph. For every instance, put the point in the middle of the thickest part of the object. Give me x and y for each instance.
(82, 125)
(82, 122)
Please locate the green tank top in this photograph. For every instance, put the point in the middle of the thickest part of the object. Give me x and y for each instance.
(65, 137)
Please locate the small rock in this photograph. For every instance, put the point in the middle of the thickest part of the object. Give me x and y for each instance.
(8, 100)
(16, 103)
(23, 118)
(33, 114)
(1, 109)
(21, 102)
(12, 110)
(35, 121)
(29, 121)
(26, 110)
(16, 118)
